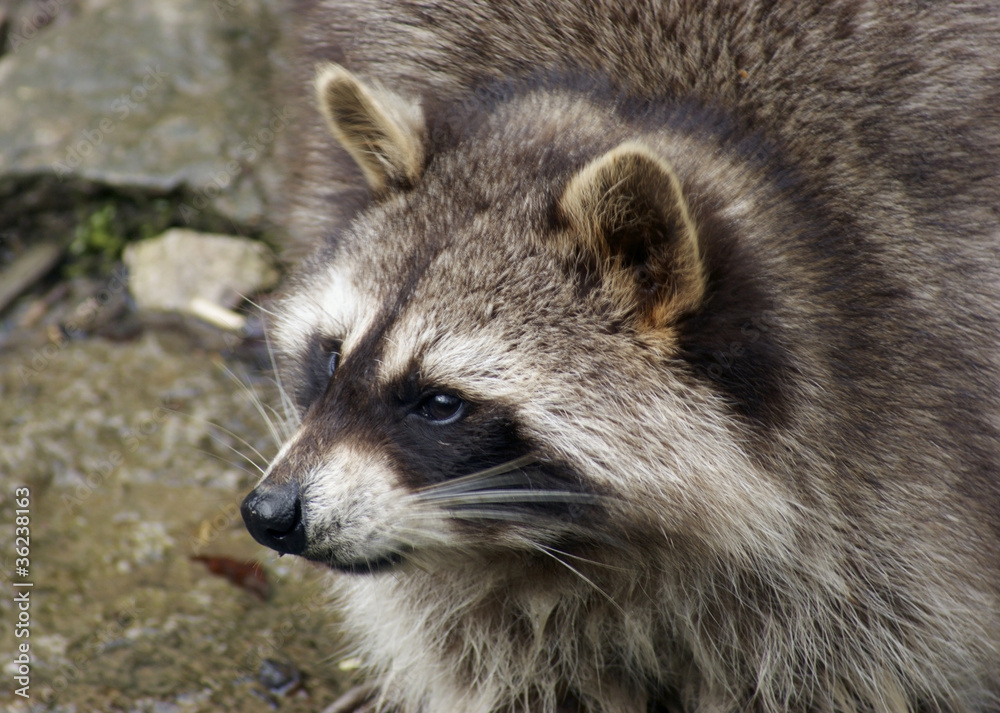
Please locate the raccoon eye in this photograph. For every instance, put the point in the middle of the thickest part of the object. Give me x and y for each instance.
(331, 350)
(442, 408)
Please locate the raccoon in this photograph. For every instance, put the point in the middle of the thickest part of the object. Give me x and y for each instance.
(646, 359)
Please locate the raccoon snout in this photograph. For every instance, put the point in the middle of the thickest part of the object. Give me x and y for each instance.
(273, 515)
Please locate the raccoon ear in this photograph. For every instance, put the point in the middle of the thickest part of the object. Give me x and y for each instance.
(382, 131)
(627, 208)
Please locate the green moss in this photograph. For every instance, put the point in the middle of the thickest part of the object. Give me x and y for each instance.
(104, 229)
(105, 224)
(98, 241)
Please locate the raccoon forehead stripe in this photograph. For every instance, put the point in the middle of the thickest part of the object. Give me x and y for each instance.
(330, 305)
(479, 365)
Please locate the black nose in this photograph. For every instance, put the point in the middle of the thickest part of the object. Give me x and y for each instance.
(273, 515)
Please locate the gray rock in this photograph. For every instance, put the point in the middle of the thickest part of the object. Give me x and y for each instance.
(197, 273)
(154, 97)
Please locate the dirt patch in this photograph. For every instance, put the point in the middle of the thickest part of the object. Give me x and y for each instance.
(136, 455)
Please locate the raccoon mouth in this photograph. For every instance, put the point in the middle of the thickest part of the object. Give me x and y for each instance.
(368, 566)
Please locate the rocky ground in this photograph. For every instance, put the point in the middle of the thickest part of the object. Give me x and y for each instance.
(145, 598)
(136, 401)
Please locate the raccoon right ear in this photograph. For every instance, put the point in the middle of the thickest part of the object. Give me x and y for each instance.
(628, 210)
(382, 131)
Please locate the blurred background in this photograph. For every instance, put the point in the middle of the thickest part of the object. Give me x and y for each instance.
(140, 149)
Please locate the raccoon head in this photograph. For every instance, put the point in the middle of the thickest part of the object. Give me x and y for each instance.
(486, 362)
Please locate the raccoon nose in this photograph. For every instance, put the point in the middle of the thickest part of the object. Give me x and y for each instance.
(273, 515)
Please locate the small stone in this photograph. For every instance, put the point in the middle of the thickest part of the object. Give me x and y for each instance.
(183, 271)
(279, 677)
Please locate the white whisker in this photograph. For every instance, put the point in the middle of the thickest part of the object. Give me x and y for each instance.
(256, 402)
(550, 553)
(467, 482)
(586, 560)
(287, 405)
(228, 432)
(233, 464)
(509, 496)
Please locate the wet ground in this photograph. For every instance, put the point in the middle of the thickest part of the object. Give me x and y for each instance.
(136, 454)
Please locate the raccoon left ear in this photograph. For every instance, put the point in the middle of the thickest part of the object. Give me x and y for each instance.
(382, 131)
(627, 208)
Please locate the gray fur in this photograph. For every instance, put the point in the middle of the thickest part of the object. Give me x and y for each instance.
(773, 449)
